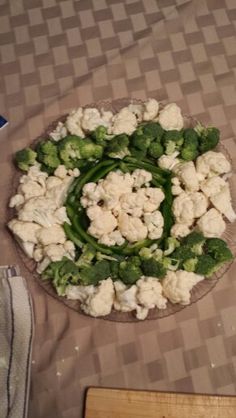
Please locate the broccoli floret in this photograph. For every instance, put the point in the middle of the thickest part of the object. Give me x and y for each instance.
(47, 154)
(169, 263)
(206, 265)
(188, 153)
(100, 135)
(140, 140)
(95, 273)
(114, 268)
(89, 150)
(218, 249)
(171, 244)
(208, 137)
(117, 147)
(129, 271)
(172, 141)
(153, 130)
(145, 253)
(182, 253)
(191, 138)
(25, 158)
(87, 256)
(156, 149)
(153, 268)
(190, 264)
(137, 153)
(195, 241)
(62, 273)
(72, 148)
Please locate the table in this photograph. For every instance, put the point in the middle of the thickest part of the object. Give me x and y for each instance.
(56, 55)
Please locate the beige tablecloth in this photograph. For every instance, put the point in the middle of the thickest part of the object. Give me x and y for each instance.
(56, 55)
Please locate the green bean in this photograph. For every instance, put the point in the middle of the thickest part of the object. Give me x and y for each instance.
(70, 234)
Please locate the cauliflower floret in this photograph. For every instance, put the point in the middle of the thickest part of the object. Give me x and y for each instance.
(212, 186)
(168, 162)
(61, 216)
(178, 285)
(176, 190)
(43, 265)
(38, 253)
(151, 109)
(52, 182)
(180, 230)
(137, 109)
(80, 293)
(212, 163)
(155, 197)
(34, 173)
(24, 231)
(31, 188)
(106, 117)
(132, 228)
(53, 235)
(70, 248)
(125, 298)
(222, 202)
(211, 224)
(187, 174)
(55, 252)
(74, 173)
(60, 172)
(141, 177)
(104, 224)
(73, 122)
(100, 302)
(132, 203)
(39, 210)
(150, 293)
(200, 204)
(114, 238)
(58, 133)
(171, 118)
(92, 193)
(183, 209)
(124, 122)
(154, 222)
(16, 201)
(58, 193)
(27, 247)
(91, 119)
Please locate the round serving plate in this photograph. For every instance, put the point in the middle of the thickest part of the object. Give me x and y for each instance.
(198, 292)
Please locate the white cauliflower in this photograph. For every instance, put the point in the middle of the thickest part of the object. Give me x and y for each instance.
(16, 201)
(151, 108)
(57, 251)
(137, 109)
(132, 228)
(211, 224)
(61, 172)
(24, 231)
(92, 118)
(187, 174)
(155, 197)
(100, 302)
(59, 132)
(125, 298)
(212, 186)
(154, 222)
(180, 230)
(132, 203)
(38, 253)
(150, 293)
(170, 117)
(58, 193)
(73, 122)
(104, 224)
(200, 203)
(80, 293)
(124, 122)
(168, 162)
(212, 163)
(44, 263)
(39, 210)
(178, 285)
(27, 247)
(113, 238)
(222, 202)
(183, 209)
(51, 235)
(60, 215)
(141, 177)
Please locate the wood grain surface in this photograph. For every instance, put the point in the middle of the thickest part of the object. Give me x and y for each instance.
(114, 403)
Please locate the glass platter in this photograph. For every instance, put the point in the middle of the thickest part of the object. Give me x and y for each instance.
(198, 292)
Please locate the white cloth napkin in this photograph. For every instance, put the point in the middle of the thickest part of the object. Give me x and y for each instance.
(16, 334)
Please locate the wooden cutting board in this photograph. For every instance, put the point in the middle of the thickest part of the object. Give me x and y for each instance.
(114, 403)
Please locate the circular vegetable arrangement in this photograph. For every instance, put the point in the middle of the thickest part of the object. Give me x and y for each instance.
(124, 211)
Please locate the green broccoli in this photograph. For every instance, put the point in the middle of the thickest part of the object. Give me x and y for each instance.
(206, 265)
(47, 154)
(137, 153)
(72, 148)
(153, 130)
(117, 147)
(153, 268)
(140, 140)
(145, 253)
(90, 150)
(195, 241)
(182, 253)
(172, 141)
(218, 249)
(169, 264)
(95, 273)
(171, 244)
(190, 138)
(114, 270)
(62, 273)
(188, 153)
(129, 271)
(208, 137)
(100, 136)
(87, 256)
(155, 149)
(25, 158)
(190, 264)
